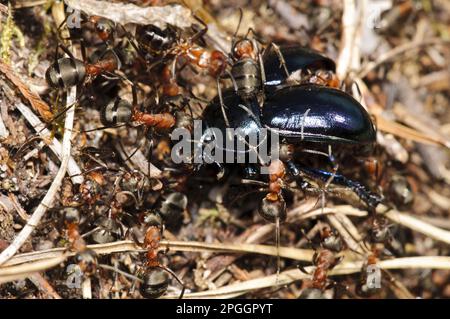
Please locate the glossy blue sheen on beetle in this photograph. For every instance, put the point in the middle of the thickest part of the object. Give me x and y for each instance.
(309, 113)
(237, 111)
(296, 58)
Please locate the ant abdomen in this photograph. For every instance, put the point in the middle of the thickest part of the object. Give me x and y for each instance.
(156, 282)
(118, 111)
(273, 210)
(154, 40)
(109, 231)
(246, 74)
(65, 73)
(173, 207)
(87, 261)
(312, 293)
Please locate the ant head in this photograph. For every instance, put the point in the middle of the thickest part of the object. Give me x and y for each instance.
(104, 28)
(243, 49)
(330, 240)
(153, 219)
(109, 230)
(277, 169)
(380, 231)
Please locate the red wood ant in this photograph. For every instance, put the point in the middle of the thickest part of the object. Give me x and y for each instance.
(156, 278)
(86, 258)
(69, 72)
(121, 111)
(325, 259)
(273, 206)
(364, 288)
(169, 44)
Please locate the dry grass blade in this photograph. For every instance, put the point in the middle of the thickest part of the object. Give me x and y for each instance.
(405, 132)
(29, 263)
(400, 218)
(43, 285)
(398, 51)
(48, 199)
(290, 276)
(351, 36)
(123, 246)
(125, 13)
(420, 226)
(55, 145)
(35, 100)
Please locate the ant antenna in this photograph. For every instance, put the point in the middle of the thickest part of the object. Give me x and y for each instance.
(277, 243)
(241, 14)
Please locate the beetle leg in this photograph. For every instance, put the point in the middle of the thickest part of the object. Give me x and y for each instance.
(335, 166)
(371, 199)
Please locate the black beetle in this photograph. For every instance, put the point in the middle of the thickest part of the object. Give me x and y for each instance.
(299, 114)
(309, 113)
(304, 115)
(295, 58)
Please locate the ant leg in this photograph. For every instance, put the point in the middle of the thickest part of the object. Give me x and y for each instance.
(177, 279)
(280, 57)
(134, 93)
(277, 243)
(254, 35)
(342, 288)
(310, 242)
(222, 105)
(200, 33)
(67, 51)
(131, 41)
(83, 50)
(233, 80)
(128, 158)
(303, 270)
(149, 166)
(102, 128)
(57, 116)
(138, 278)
